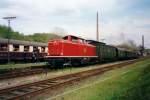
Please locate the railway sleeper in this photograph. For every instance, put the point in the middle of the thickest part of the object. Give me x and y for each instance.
(23, 90)
(8, 95)
(49, 83)
(4, 97)
(43, 85)
(36, 87)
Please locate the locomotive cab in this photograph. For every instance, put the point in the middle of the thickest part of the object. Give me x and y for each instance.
(74, 39)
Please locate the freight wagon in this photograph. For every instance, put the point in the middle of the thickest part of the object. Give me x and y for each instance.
(104, 52)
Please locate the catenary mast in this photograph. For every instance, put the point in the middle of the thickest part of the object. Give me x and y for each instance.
(97, 28)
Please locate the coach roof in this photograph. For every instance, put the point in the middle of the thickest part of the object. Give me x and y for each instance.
(19, 42)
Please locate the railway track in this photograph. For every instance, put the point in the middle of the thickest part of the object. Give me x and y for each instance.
(21, 73)
(28, 91)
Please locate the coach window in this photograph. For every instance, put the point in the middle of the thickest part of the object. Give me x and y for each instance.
(3, 47)
(35, 49)
(42, 49)
(26, 48)
(16, 48)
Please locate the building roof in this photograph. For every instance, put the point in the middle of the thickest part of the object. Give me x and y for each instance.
(19, 42)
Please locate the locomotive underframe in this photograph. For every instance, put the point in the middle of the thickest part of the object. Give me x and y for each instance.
(70, 61)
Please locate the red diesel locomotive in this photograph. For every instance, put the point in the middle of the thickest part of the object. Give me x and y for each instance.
(70, 50)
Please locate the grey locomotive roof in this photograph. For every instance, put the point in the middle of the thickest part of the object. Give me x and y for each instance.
(93, 41)
(27, 43)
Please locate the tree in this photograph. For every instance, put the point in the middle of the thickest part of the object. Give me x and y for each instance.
(4, 31)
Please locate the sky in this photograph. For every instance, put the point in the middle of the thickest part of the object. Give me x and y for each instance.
(119, 20)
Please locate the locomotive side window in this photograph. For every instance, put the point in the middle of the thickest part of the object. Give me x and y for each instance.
(3, 47)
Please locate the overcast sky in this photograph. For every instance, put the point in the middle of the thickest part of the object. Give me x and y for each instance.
(119, 20)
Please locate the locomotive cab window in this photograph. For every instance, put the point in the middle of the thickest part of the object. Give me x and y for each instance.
(78, 41)
(75, 40)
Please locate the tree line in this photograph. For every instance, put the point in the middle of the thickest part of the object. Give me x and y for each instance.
(5, 32)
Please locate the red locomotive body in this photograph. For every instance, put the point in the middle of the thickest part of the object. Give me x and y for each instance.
(71, 47)
(70, 50)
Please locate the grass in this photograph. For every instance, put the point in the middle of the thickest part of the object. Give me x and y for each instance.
(132, 83)
(22, 65)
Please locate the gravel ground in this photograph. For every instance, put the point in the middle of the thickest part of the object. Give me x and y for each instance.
(28, 79)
